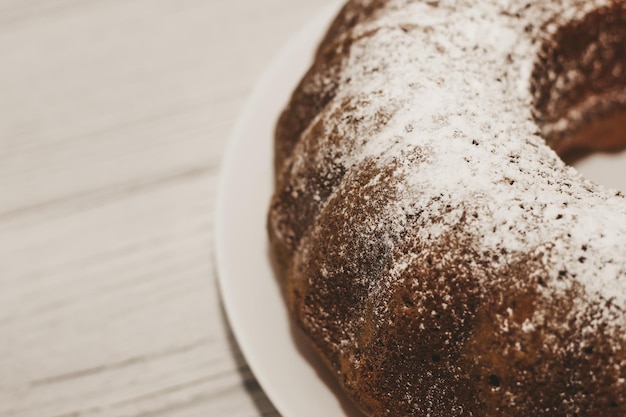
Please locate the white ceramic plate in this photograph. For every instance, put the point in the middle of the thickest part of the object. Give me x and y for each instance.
(296, 382)
(605, 169)
(293, 378)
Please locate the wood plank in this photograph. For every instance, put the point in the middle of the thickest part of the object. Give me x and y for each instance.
(115, 115)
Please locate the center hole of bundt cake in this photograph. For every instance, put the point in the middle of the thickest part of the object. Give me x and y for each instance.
(579, 90)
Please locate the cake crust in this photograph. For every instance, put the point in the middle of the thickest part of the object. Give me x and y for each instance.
(439, 254)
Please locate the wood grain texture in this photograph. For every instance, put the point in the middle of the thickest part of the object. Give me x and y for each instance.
(114, 116)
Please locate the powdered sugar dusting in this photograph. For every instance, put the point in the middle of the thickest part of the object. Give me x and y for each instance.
(457, 69)
(435, 99)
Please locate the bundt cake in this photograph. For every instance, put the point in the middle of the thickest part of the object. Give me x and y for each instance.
(430, 240)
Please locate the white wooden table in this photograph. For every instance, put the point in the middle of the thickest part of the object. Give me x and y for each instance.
(114, 115)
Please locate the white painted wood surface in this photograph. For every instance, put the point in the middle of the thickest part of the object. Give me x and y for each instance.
(114, 115)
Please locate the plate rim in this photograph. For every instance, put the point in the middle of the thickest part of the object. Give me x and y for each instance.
(321, 19)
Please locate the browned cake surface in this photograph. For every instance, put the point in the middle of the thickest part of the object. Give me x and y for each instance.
(441, 257)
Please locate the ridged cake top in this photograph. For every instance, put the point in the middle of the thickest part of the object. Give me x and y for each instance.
(450, 82)
(429, 163)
